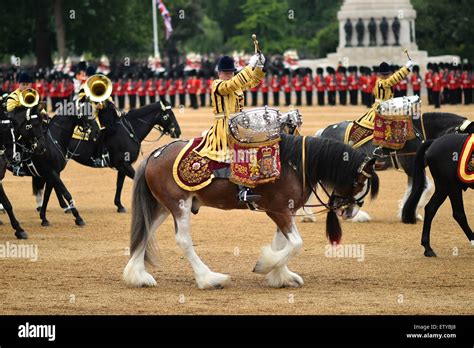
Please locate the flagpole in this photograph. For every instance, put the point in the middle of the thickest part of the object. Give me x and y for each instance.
(155, 30)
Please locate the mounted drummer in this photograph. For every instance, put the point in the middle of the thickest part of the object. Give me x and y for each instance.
(383, 90)
(227, 98)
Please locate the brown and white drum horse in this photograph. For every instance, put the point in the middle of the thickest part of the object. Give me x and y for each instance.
(305, 161)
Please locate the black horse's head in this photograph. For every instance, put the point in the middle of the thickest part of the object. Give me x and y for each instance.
(27, 124)
(167, 121)
(346, 200)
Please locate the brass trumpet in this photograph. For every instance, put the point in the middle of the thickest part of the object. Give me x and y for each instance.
(98, 88)
(29, 97)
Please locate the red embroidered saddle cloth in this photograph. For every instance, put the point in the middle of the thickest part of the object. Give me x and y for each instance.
(193, 172)
(251, 165)
(466, 161)
(392, 131)
(357, 135)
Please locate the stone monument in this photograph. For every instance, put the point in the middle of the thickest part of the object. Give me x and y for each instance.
(383, 29)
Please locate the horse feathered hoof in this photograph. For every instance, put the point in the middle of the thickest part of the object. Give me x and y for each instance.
(430, 253)
(80, 222)
(45, 223)
(121, 210)
(21, 235)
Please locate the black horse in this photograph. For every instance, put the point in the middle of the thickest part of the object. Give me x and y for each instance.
(48, 166)
(440, 157)
(29, 140)
(124, 144)
(431, 125)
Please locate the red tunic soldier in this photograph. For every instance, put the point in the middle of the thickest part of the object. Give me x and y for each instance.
(331, 84)
(308, 86)
(429, 83)
(415, 80)
(437, 86)
(275, 84)
(264, 86)
(466, 84)
(285, 83)
(353, 85)
(341, 85)
(320, 84)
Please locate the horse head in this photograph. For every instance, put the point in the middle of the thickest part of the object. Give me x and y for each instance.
(167, 121)
(346, 200)
(27, 125)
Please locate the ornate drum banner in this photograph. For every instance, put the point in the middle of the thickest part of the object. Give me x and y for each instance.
(393, 125)
(254, 164)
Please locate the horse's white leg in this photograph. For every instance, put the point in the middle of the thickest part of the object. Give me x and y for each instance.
(282, 276)
(401, 202)
(135, 273)
(271, 259)
(205, 278)
(425, 197)
(306, 215)
(39, 198)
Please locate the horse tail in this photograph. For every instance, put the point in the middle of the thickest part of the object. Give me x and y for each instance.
(333, 228)
(419, 180)
(145, 209)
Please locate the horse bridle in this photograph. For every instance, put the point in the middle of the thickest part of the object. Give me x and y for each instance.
(164, 116)
(26, 123)
(336, 202)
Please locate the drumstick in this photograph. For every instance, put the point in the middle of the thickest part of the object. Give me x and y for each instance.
(406, 52)
(255, 42)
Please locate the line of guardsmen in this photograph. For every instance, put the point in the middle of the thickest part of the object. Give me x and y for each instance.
(445, 84)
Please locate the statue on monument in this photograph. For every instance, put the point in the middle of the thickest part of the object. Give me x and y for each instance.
(396, 30)
(360, 32)
(384, 30)
(348, 30)
(372, 32)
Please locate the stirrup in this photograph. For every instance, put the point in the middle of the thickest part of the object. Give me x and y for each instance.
(246, 196)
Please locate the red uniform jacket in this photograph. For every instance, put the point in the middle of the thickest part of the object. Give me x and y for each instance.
(452, 81)
(150, 87)
(403, 85)
(331, 82)
(264, 85)
(437, 82)
(429, 79)
(180, 86)
(341, 82)
(415, 80)
(353, 82)
(320, 83)
(308, 83)
(275, 84)
(171, 86)
(141, 90)
(285, 83)
(297, 85)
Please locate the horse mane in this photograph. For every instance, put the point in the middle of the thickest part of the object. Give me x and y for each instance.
(337, 163)
(147, 108)
(439, 123)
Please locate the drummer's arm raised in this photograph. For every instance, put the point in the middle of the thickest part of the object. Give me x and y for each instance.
(246, 78)
(396, 77)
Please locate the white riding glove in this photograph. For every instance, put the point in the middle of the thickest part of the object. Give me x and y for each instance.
(257, 60)
(409, 64)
